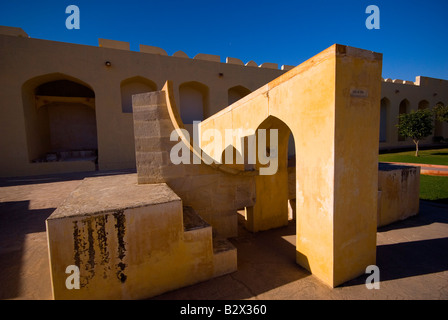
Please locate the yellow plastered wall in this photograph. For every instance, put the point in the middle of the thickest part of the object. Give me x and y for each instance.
(330, 105)
(125, 253)
(358, 89)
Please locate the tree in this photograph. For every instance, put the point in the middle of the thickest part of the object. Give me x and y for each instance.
(416, 125)
(441, 112)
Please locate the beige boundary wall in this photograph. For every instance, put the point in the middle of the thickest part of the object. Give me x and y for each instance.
(27, 63)
(424, 92)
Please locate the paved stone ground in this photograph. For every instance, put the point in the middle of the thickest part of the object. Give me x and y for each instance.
(412, 255)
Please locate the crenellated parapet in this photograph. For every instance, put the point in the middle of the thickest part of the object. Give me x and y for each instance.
(122, 45)
(399, 81)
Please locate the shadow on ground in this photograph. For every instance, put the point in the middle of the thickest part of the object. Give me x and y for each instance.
(266, 263)
(430, 212)
(16, 221)
(412, 258)
(266, 260)
(23, 248)
(267, 269)
(50, 178)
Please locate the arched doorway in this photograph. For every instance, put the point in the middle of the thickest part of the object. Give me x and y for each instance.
(236, 93)
(291, 177)
(133, 86)
(423, 104)
(272, 188)
(60, 119)
(194, 103)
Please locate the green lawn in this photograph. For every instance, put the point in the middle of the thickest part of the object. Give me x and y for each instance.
(439, 156)
(434, 188)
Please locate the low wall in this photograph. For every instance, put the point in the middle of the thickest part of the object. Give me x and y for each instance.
(399, 192)
(130, 241)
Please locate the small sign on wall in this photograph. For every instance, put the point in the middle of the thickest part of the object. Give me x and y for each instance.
(359, 93)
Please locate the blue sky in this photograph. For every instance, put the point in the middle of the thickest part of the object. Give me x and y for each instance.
(413, 35)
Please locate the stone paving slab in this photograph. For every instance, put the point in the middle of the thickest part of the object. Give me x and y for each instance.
(111, 193)
(411, 254)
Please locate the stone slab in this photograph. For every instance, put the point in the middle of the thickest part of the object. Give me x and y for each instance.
(111, 193)
(192, 220)
(400, 189)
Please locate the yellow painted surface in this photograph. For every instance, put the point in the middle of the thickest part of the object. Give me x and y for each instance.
(400, 193)
(271, 206)
(127, 253)
(336, 137)
(356, 164)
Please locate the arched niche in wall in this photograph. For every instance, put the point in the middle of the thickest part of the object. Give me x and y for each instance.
(60, 119)
(236, 93)
(385, 103)
(131, 86)
(423, 104)
(194, 102)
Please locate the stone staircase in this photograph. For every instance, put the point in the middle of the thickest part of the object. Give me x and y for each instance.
(224, 253)
(131, 241)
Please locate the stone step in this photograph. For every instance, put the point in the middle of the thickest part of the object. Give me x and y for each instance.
(224, 257)
(222, 245)
(193, 221)
(224, 253)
